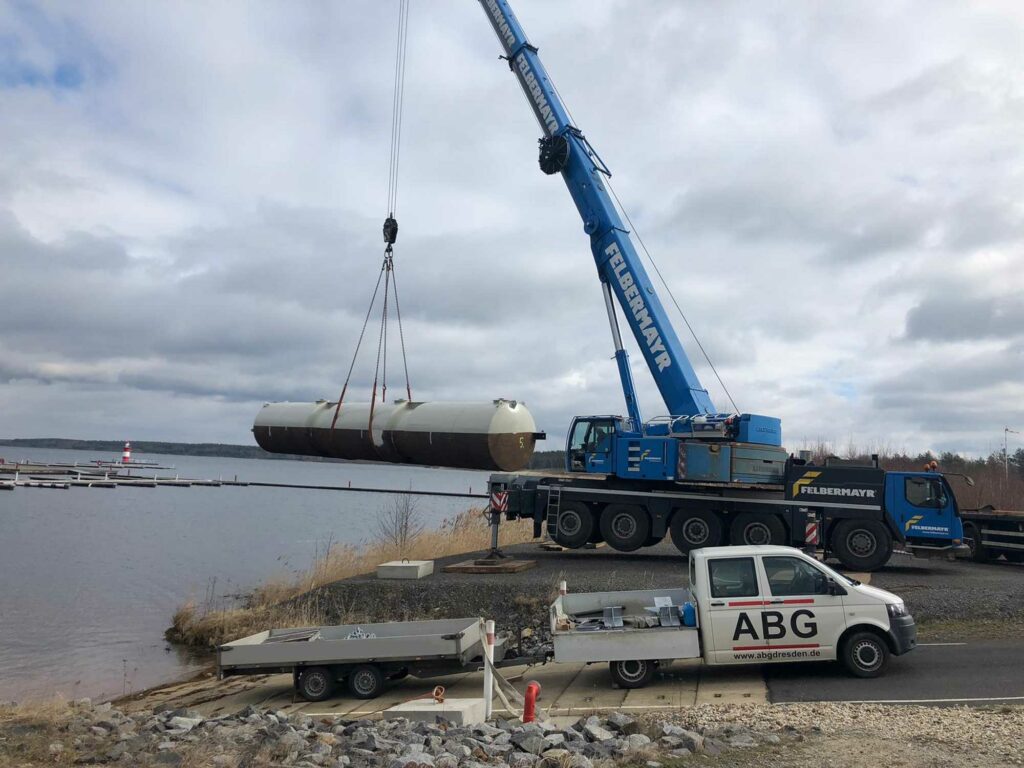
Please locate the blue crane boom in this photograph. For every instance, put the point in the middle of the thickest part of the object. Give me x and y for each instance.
(693, 442)
(564, 149)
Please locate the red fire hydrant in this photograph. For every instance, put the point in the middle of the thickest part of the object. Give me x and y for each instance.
(530, 707)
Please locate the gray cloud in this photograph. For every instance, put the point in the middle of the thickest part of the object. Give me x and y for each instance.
(190, 225)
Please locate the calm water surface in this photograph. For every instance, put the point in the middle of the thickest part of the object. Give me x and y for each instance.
(89, 577)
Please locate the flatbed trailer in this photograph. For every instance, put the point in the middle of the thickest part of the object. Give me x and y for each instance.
(991, 532)
(362, 656)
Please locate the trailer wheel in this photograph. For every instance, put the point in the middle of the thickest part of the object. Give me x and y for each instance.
(365, 682)
(625, 526)
(315, 683)
(861, 545)
(575, 525)
(865, 654)
(972, 533)
(757, 529)
(693, 530)
(631, 674)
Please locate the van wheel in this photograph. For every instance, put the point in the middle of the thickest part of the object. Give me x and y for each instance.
(365, 682)
(315, 683)
(575, 525)
(625, 526)
(865, 654)
(757, 529)
(972, 533)
(861, 545)
(693, 530)
(632, 674)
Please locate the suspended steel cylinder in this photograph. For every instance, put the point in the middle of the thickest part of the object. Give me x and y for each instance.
(500, 435)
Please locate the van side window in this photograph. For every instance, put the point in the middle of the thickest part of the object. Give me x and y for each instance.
(924, 492)
(733, 577)
(789, 576)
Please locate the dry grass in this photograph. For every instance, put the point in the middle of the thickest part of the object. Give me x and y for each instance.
(300, 602)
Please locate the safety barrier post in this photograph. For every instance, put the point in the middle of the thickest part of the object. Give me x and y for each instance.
(488, 675)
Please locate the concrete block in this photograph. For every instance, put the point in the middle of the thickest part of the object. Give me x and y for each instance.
(405, 569)
(457, 711)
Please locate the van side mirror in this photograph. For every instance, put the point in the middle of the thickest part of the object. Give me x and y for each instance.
(834, 589)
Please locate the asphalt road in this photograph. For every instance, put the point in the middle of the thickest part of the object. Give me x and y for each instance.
(975, 672)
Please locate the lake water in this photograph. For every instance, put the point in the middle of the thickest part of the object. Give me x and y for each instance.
(89, 577)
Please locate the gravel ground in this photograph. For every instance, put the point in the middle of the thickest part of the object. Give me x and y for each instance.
(849, 735)
(939, 590)
(798, 736)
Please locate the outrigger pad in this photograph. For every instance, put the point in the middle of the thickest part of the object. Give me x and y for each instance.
(490, 566)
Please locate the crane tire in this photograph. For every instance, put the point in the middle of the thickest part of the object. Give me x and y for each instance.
(315, 683)
(864, 654)
(861, 545)
(625, 526)
(748, 528)
(575, 525)
(693, 530)
(972, 532)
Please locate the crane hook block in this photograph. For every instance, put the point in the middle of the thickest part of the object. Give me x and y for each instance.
(390, 230)
(554, 153)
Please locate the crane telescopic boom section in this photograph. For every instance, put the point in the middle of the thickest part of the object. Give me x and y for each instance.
(565, 150)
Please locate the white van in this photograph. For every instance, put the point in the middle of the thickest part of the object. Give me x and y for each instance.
(748, 605)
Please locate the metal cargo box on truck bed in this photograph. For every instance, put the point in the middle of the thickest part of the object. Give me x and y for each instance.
(598, 642)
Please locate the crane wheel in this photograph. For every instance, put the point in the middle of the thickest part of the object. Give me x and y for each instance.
(625, 526)
(861, 545)
(757, 529)
(693, 530)
(575, 525)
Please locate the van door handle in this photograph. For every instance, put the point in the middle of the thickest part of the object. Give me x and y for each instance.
(780, 601)
(719, 604)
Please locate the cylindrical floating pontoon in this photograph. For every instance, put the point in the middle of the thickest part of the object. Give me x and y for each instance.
(498, 436)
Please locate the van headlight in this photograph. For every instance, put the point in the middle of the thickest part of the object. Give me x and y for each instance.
(896, 610)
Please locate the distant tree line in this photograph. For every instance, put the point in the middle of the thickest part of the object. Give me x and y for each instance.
(999, 478)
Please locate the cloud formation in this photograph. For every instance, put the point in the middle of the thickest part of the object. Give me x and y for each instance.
(191, 199)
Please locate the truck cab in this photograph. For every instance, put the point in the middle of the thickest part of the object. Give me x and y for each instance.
(924, 508)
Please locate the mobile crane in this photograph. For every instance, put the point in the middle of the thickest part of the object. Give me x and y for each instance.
(705, 477)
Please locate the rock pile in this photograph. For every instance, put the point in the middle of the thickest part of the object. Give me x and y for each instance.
(252, 737)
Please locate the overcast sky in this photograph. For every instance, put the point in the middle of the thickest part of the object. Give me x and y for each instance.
(191, 197)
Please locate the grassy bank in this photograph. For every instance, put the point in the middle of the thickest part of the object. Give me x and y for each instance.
(298, 601)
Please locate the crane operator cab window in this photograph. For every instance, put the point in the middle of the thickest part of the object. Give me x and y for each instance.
(590, 439)
(925, 492)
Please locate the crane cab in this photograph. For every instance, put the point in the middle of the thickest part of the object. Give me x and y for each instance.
(707, 451)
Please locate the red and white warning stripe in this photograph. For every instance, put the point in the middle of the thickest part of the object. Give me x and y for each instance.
(811, 535)
(499, 501)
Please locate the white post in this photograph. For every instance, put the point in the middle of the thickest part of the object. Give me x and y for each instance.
(488, 678)
(562, 588)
